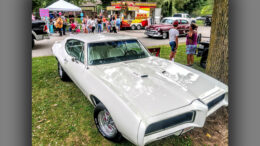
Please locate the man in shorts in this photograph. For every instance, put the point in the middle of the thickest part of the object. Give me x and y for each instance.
(173, 38)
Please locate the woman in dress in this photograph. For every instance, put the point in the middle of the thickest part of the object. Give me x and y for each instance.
(191, 44)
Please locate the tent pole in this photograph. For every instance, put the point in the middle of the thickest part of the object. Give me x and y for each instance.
(75, 16)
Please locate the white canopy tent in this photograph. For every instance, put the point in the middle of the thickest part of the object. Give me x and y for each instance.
(62, 5)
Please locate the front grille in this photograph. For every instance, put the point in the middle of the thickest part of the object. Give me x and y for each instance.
(171, 122)
(215, 101)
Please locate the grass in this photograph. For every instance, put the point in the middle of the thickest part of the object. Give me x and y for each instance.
(200, 22)
(61, 115)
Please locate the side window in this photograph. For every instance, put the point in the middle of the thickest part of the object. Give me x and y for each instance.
(75, 48)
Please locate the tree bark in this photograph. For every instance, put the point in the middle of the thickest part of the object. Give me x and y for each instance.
(217, 62)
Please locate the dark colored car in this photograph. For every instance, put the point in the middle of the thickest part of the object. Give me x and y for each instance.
(162, 30)
(203, 49)
(208, 20)
(39, 31)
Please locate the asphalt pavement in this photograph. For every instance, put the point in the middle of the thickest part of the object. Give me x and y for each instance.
(43, 47)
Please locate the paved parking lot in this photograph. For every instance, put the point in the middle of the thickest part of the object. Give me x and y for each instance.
(43, 47)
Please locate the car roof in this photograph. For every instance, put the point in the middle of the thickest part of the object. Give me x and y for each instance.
(100, 37)
(175, 18)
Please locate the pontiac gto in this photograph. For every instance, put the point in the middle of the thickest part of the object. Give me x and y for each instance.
(137, 96)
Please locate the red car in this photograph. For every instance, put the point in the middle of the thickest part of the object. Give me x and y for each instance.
(162, 29)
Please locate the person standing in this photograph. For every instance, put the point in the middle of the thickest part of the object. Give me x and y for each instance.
(93, 25)
(118, 23)
(113, 25)
(89, 25)
(173, 40)
(64, 24)
(99, 21)
(191, 44)
(59, 24)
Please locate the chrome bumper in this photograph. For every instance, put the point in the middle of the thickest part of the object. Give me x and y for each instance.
(153, 33)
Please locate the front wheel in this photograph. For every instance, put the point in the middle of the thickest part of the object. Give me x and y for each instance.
(63, 75)
(105, 124)
(164, 35)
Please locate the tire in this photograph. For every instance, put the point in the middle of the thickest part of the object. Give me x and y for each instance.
(164, 35)
(99, 113)
(133, 27)
(199, 38)
(33, 43)
(139, 27)
(203, 60)
(62, 74)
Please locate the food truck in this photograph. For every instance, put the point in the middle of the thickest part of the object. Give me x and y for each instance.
(134, 15)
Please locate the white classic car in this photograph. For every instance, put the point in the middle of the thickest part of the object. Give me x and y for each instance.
(137, 96)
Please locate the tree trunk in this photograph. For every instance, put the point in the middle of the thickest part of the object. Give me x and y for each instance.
(217, 62)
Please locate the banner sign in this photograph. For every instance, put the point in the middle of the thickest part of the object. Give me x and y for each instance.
(145, 4)
(141, 16)
(133, 8)
(44, 12)
(137, 4)
(113, 8)
(88, 8)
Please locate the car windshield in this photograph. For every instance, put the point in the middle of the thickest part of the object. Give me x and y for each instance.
(115, 51)
(177, 15)
(167, 21)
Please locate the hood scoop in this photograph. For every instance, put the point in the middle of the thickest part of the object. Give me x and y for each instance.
(144, 76)
(140, 75)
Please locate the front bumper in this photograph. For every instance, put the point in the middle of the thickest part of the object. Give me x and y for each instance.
(152, 33)
(201, 113)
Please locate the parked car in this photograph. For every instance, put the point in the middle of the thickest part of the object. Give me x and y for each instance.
(201, 18)
(137, 96)
(162, 29)
(203, 49)
(185, 16)
(39, 31)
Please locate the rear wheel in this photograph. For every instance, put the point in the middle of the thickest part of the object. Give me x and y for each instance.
(105, 124)
(139, 27)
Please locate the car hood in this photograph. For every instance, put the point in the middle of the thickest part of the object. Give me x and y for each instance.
(159, 25)
(152, 85)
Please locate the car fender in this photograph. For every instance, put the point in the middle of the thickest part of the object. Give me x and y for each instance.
(121, 111)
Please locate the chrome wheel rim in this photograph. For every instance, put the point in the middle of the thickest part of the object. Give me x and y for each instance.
(164, 35)
(106, 123)
(60, 70)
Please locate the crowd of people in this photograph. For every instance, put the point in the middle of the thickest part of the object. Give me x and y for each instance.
(89, 24)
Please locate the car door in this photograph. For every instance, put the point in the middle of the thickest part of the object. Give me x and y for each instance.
(75, 61)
